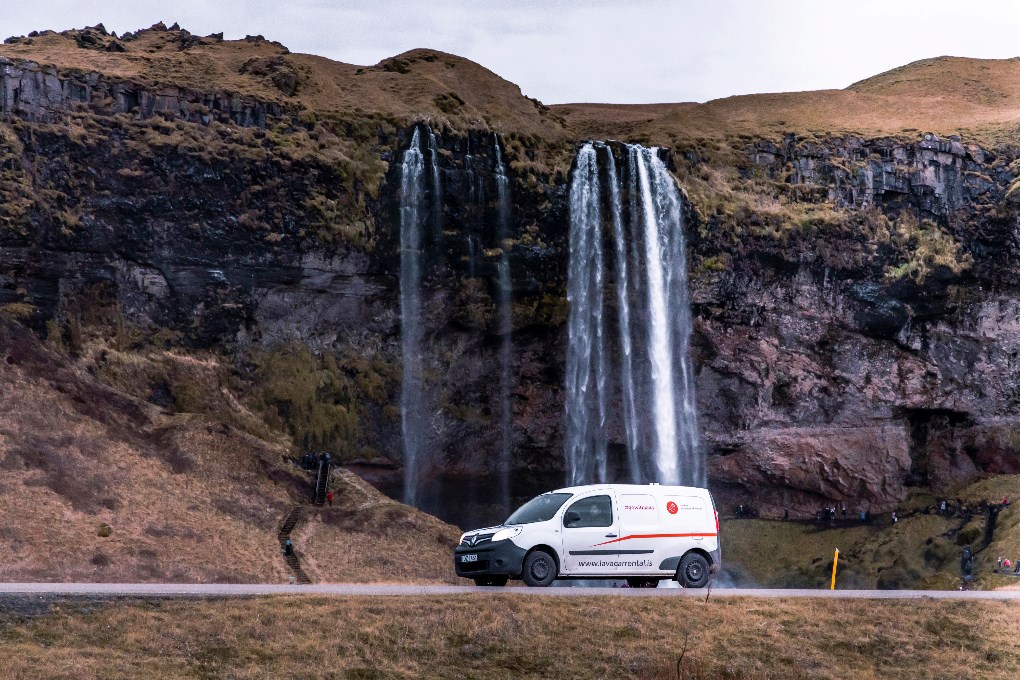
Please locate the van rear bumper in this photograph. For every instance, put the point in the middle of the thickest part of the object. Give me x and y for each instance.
(504, 558)
(716, 562)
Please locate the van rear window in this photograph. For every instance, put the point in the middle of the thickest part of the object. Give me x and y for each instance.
(538, 509)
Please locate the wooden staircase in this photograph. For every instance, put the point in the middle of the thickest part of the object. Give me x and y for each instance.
(322, 479)
(296, 514)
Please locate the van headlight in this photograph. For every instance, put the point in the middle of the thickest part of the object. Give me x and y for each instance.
(504, 534)
(462, 538)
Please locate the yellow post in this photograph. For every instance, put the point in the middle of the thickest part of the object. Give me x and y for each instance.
(835, 561)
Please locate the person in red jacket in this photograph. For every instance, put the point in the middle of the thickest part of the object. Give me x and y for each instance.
(329, 498)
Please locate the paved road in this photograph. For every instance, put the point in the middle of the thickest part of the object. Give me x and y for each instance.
(349, 589)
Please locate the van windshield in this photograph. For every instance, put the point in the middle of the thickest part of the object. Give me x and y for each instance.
(538, 509)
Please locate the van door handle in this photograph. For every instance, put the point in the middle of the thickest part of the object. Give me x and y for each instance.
(610, 535)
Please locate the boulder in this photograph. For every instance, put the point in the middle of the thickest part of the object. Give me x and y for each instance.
(861, 467)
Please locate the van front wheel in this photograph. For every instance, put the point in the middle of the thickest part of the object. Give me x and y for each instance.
(693, 571)
(539, 569)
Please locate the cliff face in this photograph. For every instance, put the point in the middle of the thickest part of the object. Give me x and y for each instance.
(851, 364)
(35, 93)
(855, 299)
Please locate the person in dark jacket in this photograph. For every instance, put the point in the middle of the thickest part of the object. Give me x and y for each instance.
(967, 562)
(288, 548)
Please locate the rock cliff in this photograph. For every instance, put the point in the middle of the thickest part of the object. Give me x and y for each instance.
(855, 294)
(35, 93)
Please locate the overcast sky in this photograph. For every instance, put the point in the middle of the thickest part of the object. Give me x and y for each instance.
(631, 51)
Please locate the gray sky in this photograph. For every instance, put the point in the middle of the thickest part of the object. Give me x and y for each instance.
(598, 51)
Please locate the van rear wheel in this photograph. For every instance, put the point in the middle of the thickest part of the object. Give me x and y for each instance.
(693, 571)
(539, 569)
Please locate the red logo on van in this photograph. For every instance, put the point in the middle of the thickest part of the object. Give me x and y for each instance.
(671, 508)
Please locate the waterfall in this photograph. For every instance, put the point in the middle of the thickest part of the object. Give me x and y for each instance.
(412, 179)
(584, 439)
(654, 379)
(504, 303)
(475, 192)
(437, 198)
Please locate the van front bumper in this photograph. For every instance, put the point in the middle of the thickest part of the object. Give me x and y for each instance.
(504, 558)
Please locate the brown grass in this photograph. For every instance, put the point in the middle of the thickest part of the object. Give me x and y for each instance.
(420, 84)
(188, 494)
(366, 537)
(186, 499)
(504, 636)
(979, 98)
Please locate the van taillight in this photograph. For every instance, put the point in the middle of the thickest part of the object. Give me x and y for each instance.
(716, 520)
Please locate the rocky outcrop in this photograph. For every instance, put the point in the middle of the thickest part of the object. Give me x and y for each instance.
(864, 467)
(45, 94)
(935, 175)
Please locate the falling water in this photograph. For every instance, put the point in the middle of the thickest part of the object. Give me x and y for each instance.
(660, 348)
(437, 196)
(474, 197)
(654, 380)
(585, 403)
(411, 421)
(504, 303)
(630, 421)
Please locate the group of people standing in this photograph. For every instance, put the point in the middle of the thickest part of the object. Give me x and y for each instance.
(1004, 566)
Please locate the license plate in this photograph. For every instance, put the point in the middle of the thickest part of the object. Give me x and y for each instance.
(469, 558)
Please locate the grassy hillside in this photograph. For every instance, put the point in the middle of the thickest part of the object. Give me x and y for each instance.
(419, 84)
(98, 484)
(505, 636)
(922, 550)
(978, 98)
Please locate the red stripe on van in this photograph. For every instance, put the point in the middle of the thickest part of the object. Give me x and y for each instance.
(627, 538)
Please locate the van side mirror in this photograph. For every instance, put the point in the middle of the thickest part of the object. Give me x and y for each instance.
(571, 518)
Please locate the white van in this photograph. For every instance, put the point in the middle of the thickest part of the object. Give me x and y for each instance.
(602, 531)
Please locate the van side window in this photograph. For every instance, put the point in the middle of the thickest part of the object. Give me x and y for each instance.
(594, 511)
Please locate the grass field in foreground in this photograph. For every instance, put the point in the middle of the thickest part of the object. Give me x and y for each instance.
(503, 636)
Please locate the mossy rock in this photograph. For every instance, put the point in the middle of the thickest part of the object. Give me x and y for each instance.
(104, 530)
